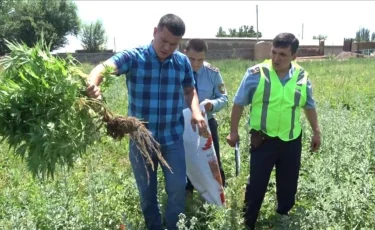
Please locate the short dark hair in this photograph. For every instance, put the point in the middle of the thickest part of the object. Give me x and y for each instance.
(173, 23)
(197, 44)
(284, 40)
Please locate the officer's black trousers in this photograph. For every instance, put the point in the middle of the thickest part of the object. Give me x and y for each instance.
(212, 123)
(286, 156)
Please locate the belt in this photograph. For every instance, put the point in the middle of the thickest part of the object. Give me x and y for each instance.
(262, 134)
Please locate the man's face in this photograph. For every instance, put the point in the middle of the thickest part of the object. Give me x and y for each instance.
(196, 58)
(165, 43)
(281, 58)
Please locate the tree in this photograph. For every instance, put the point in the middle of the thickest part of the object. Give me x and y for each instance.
(7, 9)
(93, 36)
(26, 21)
(373, 36)
(243, 31)
(320, 37)
(221, 32)
(363, 35)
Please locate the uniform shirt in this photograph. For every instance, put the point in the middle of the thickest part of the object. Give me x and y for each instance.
(210, 86)
(155, 89)
(250, 82)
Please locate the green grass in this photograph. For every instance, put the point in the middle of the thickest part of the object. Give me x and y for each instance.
(336, 189)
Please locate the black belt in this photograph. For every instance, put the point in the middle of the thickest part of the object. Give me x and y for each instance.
(261, 134)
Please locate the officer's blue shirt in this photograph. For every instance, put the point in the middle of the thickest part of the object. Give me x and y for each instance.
(250, 81)
(211, 86)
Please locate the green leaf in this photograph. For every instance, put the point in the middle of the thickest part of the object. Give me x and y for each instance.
(23, 77)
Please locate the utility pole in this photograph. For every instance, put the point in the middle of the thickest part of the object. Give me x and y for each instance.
(302, 30)
(257, 22)
(114, 44)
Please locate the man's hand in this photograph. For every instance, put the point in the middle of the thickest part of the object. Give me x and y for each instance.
(315, 142)
(198, 119)
(312, 117)
(208, 105)
(93, 91)
(233, 138)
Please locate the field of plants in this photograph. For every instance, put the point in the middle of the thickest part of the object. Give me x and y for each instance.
(336, 189)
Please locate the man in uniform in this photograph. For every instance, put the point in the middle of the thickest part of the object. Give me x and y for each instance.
(277, 89)
(158, 79)
(210, 87)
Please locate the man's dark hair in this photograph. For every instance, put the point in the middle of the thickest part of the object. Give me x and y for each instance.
(197, 44)
(173, 23)
(285, 40)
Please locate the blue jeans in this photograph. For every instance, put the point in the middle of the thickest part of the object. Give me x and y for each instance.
(175, 182)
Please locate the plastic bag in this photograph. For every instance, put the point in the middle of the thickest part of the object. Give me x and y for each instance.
(201, 162)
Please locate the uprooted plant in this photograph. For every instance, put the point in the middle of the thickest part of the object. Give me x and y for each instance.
(46, 116)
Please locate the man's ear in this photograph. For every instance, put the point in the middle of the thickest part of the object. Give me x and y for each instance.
(294, 57)
(185, 51)
(155, 31)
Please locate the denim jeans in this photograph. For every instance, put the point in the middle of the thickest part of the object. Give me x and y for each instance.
(175, 182)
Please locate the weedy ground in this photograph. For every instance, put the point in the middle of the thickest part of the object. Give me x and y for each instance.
(336, 188)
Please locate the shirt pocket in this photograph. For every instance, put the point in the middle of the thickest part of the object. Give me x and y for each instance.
(204, 93)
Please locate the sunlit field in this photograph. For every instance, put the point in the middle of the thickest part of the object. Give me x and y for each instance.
(336, 188)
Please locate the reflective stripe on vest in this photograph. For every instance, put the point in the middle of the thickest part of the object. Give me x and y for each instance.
(275, 108)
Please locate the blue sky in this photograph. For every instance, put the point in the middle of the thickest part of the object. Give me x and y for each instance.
(131, 23)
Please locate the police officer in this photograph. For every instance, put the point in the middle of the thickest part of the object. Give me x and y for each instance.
(210, 87)
(277, 90)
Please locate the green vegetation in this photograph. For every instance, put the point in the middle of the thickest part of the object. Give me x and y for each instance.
(336, 189)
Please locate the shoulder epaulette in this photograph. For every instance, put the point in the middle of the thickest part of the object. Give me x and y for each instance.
(255, 69)
(211, 67)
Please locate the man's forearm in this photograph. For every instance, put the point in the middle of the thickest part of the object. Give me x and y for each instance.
(191, 98)
(312, 117)
(235, 117)
(219, 103)
(96, 76)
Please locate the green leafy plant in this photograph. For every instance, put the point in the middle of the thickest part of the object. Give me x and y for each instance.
(45, 115)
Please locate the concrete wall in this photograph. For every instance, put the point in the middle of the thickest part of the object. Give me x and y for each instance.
(333, 50)
(223, 48)
(244, 48)
(262, 50)
(92, 58)
(363, 46)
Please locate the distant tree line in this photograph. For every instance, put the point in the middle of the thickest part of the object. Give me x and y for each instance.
(242, 31)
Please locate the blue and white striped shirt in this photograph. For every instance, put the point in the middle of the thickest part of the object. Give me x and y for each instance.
(155, 89)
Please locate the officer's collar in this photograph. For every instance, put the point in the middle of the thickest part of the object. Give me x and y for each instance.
(200, 71)
(291, 70)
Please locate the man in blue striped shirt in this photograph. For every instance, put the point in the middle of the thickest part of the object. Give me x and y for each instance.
(158, 78)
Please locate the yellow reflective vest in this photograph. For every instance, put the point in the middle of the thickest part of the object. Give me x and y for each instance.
(275, 109)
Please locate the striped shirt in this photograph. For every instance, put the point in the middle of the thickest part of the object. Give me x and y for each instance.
(155, 89)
